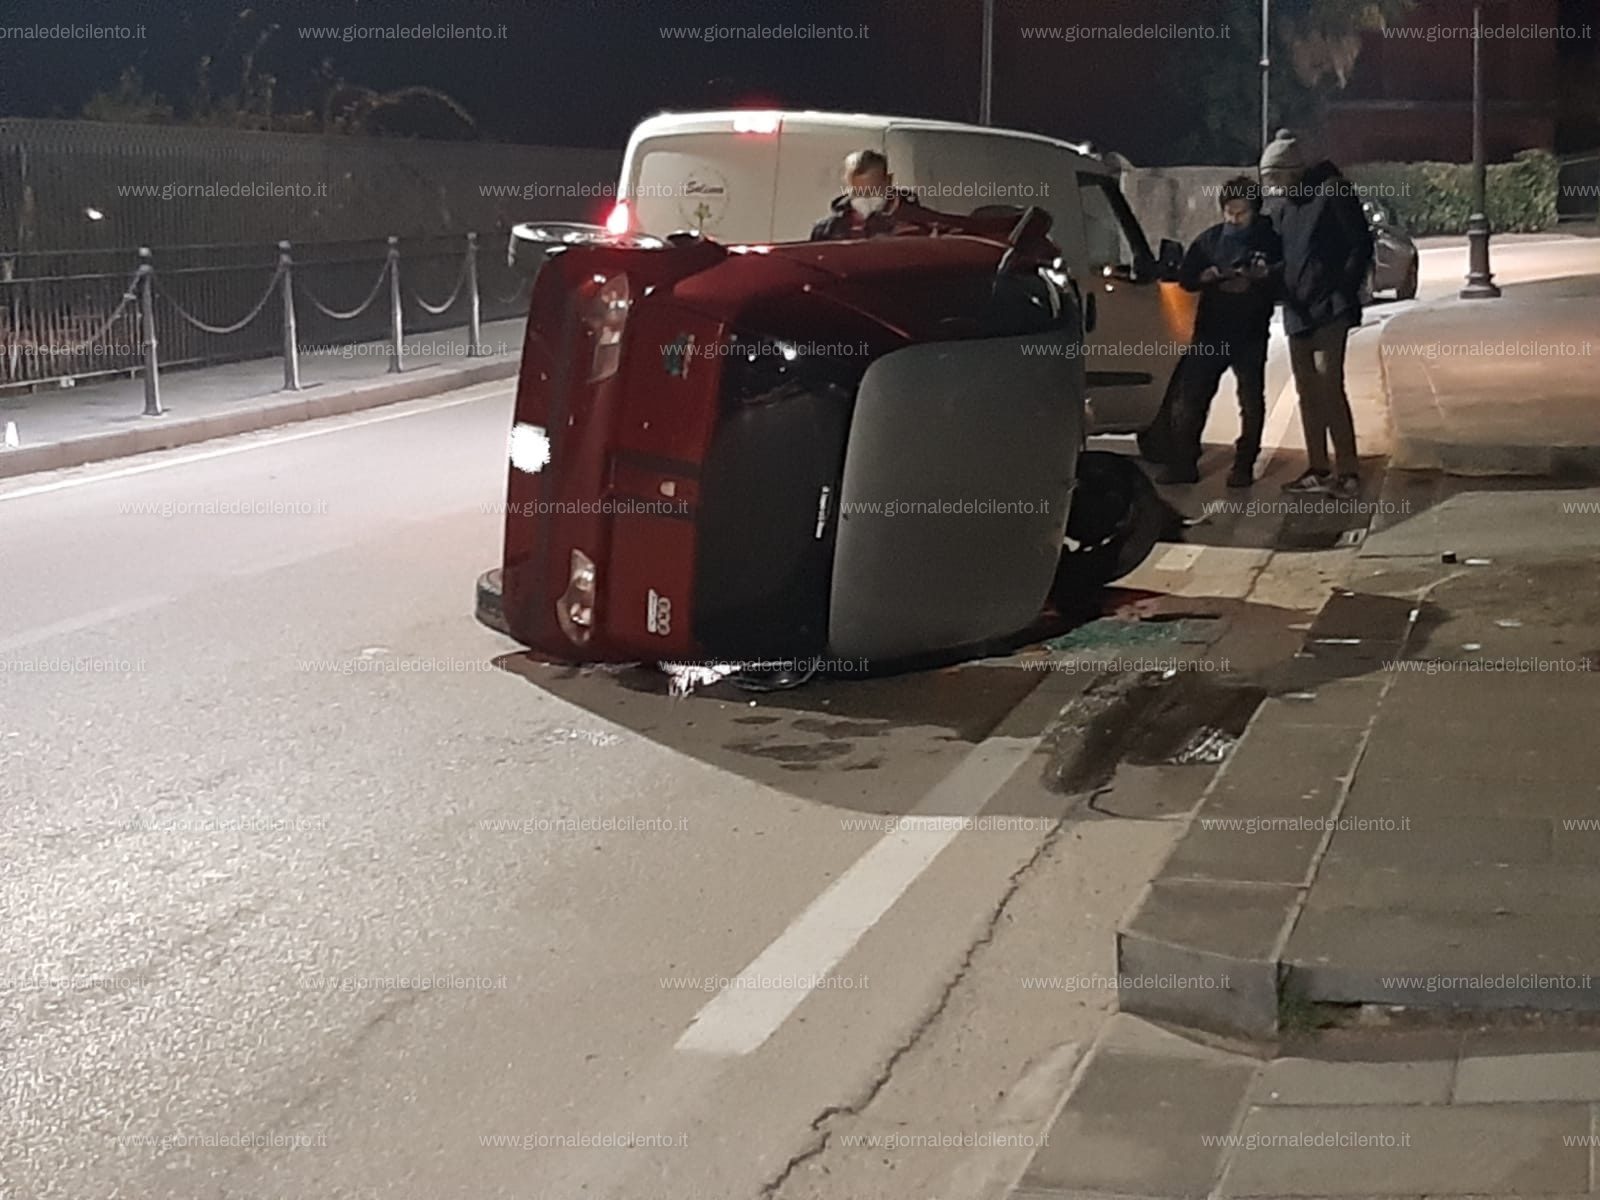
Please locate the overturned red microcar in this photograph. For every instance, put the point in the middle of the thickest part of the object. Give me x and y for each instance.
(855, 450)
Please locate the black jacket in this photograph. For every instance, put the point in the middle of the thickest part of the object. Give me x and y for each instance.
(1327, 250)
(837, 224)
(1237, 317)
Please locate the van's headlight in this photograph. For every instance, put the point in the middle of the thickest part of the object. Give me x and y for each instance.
(575, 609)
(606, 315)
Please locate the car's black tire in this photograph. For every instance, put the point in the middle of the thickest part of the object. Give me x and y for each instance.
(1117, 518)
(1408, 286)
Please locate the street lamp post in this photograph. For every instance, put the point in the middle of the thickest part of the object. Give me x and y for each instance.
(986, 85)
(1266, 73)
(1480, 280)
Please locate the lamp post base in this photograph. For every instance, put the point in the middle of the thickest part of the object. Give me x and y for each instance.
(1480, 279)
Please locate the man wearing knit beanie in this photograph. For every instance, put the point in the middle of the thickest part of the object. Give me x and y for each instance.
(1327, 251)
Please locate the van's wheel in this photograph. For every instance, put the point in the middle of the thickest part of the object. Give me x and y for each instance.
(1408, 286)
(1117, 518)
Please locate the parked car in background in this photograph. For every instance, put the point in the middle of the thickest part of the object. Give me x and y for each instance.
(1394, 263)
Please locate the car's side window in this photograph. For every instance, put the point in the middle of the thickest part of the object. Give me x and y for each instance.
(1111, 231)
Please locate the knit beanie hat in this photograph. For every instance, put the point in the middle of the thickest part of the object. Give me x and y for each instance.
(1283, 153)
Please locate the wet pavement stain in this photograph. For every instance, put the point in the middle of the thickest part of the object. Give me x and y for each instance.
(795, 752)
(842, 729)
(1147, 719)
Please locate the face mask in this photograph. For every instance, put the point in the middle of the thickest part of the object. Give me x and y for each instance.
(866, 205)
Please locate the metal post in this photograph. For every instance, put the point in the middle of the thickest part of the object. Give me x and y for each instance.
(986, 86)
(1480, 280)
(396, 333)
(1266, 73)
(291, 347)
(474, 310)
(147, 322)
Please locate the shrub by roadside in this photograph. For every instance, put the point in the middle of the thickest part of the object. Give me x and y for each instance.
(1436, 197)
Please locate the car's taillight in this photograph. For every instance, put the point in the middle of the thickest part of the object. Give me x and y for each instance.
(607, 316)
(618, 220)
(575, 609)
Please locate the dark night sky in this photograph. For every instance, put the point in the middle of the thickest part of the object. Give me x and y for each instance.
(577, 72)
(583, 72)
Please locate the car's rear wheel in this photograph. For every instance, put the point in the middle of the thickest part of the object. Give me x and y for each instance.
(1117, 518)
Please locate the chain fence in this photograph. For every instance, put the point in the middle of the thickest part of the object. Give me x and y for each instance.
(67, 316)
(1578, 189)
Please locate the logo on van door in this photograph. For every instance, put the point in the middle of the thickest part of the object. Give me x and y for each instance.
(703, 199)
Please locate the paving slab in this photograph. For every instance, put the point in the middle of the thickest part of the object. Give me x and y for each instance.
(1302, 1081)
(1492, 524)
(1431, 883)
(1348, 702)
(1222, 940)
(1445, 959)
(1573, 1075)
(1385, 1150)
(1449, 841)
(1140, 1117)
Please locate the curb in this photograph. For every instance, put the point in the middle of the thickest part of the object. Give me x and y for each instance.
(164, 435)
(1220, 914)
(1572, 464)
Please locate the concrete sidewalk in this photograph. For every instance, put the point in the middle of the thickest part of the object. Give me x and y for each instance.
(1499, 387)
(1412, 816)
(1479, 1112)
(67, 427)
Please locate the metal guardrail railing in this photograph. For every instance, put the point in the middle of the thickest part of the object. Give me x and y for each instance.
(203, 304)
(1578, 188)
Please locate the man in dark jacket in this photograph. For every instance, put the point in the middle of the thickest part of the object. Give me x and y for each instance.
(1234, 266)
(1327, 251)
(871, 204)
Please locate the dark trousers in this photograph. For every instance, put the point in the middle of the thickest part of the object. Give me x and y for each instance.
(1317, 359)
(1203, 367)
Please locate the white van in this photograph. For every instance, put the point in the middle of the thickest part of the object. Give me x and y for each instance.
(758, 176)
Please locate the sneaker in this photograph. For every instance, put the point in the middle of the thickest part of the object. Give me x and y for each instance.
(1347, 487)
(1178, 473)
(1241, 476)
(1312, 483)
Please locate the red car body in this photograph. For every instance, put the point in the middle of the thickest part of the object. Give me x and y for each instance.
(652, 448)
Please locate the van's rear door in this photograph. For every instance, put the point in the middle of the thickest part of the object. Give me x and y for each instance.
(711, 177)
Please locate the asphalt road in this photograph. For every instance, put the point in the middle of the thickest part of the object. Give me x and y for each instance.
(314, 888)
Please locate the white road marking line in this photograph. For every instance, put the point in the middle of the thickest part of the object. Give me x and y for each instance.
(258, 444)
(1178, 558)
(748, 1011)
(1282, 412)
(75, 624)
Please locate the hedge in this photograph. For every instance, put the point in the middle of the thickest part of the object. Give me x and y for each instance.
(1436, 197)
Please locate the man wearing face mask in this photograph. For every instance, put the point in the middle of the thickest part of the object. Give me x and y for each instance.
(871, 205)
